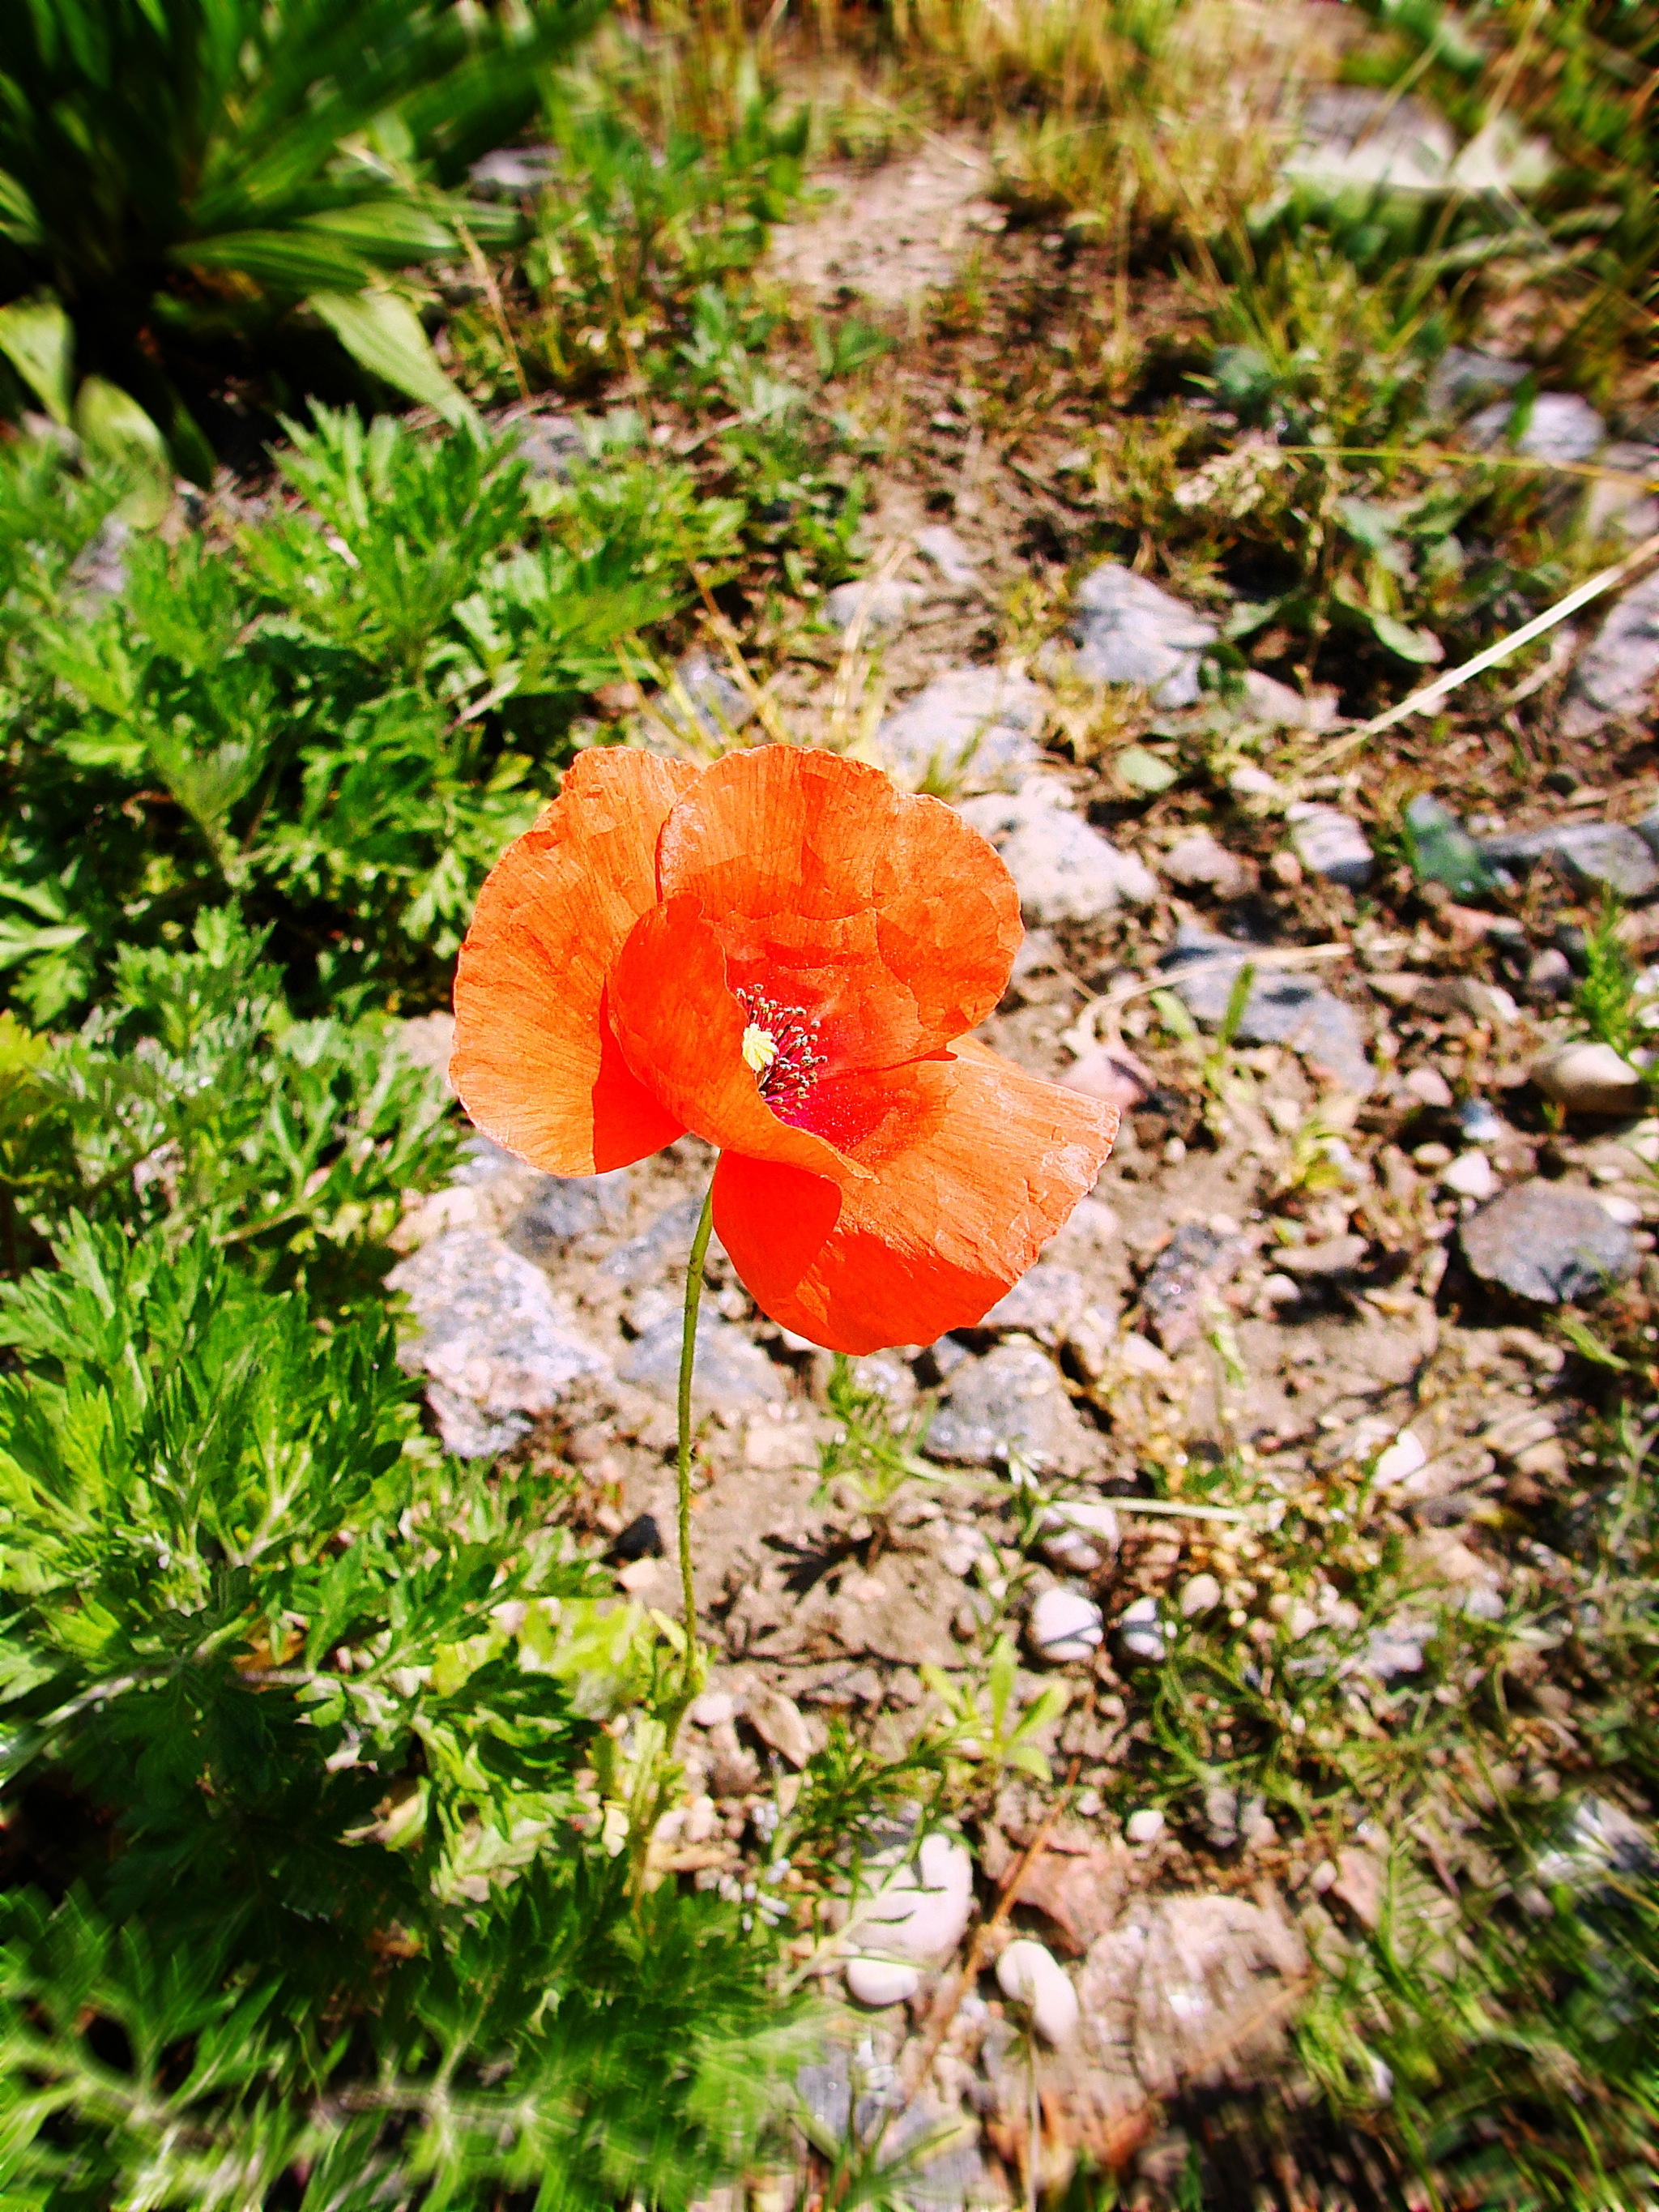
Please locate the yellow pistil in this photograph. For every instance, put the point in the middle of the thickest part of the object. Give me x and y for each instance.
(760, 1047)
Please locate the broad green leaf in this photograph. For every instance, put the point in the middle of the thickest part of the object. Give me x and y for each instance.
(38, 339)
(294, 261)
(384, 333)
(1420, 646)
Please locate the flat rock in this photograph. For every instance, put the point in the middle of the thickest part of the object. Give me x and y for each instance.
(1547, 1243)
(1282, 1007)
(1562, 427)
(1044, 1303)
(731, 1375)
(1602, 855)
(1066, 870)
(1462, 379)
(1189, 1274)
(1332, 844)
(1614, 679)
(1129, 631)
(970, 729)
(1011, 1402)
(1621, 502)
(564, 1208)
(1268, 701)
(1199, 1989)
(490, 1340)
(1356, 140)
(886, 603)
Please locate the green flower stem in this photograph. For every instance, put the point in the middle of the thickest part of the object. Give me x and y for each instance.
(688, 1360)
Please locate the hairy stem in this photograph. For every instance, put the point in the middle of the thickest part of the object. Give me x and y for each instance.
(688, 1360)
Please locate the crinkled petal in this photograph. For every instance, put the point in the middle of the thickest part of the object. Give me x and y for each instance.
(535, 1063)
(949, 1220)
(681, 1031)
(880, 912)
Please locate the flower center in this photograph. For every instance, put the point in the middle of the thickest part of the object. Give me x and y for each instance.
(780, 1045)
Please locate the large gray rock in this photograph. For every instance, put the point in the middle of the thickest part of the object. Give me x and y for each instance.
(1192, 1271)
(490, 1340)
(1129, 631)
(1044, 1303)
(1464, 380)
(565, 1209)
(1617, 670)
(1064, 870)
(970, 729)
(1284, 1007)
(1357, 141)
(1547, 1243)
(1012, 1401)
(1562, 427)
(1597, 854)
(730, 1376)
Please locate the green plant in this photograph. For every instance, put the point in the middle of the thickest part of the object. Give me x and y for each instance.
(299, 1721)
(870, 1458)
(184, 183)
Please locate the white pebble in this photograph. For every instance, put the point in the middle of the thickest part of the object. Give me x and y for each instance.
(1620, 1209)
(1471, 1175)
(1066, 1626)
(712, 1708)
(881, 1981)
(1144, 1826)
(1140, 1630)
(1202, 1595)
(1402, 1459)
(920, 1908)
(1030, 1973)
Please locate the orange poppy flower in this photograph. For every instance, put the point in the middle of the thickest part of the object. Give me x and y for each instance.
(781, 953)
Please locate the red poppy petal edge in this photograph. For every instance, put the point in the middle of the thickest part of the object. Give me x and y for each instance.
(534, 1062)
(943, 1229)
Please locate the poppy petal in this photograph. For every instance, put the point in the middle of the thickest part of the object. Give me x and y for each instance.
(946, 1224)
(893, 921)
(681, 1032)
(535, 1063)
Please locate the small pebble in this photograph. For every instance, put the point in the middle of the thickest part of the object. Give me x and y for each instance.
(1471, 1175)
(1202, 1595)
(712, 1708)
(1144, 1826)
(1065, 1625)
(879, 1982)
(1140, 1630)
(1030, 1975)
(1589, 1078)
(1428, 1085)
(1433, 1156)
(1404, 1458)
(1481, 1124)
(1621, 1209)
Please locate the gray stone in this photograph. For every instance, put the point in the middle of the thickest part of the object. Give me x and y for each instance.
(1562, 427)
(954, 563)
(885, 603)
(1547, 1243)
(1621, 502)
(1129, 631)
(970, 729)
(489, 1339)
(664, 1246)
(1396, 1648)
(731, 1374)
(1197, 862)
(1356, 141)
(1331, 844)
(1012, 1403)
(1189, 1274)
(1064, 870)
(1614, 679)
(1235, 1816)
(566, 1207)
(1464, 380)
(1268, 701)
(1141, 1632)
(713, 706)
(551, 444)
(512, 171)
(1597, 854)
(1282, 1008)
(1044, 1303)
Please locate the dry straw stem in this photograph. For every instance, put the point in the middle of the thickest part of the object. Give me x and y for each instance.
(1430, 693)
